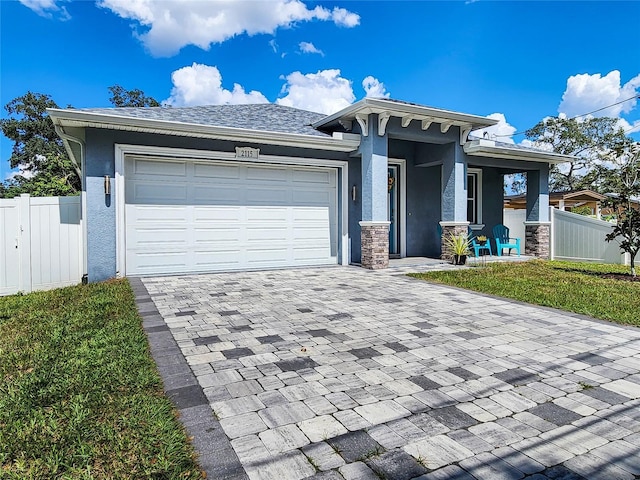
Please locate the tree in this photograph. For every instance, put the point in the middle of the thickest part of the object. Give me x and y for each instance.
(38, 151)
(590, 140)
(130, 98)
(627, 229)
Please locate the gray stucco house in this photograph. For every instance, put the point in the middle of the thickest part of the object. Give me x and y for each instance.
(233, 187)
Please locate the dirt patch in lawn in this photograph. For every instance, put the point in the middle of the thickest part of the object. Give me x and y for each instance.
(621, 276)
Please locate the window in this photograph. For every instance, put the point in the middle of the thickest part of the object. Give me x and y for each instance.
(474, 196)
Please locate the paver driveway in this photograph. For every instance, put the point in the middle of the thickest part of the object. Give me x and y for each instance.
(348, 373)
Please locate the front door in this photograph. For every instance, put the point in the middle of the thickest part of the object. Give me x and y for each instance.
(393, 207)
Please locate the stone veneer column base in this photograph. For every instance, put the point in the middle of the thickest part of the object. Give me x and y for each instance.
(537, 239)
(375, 245)
(451, 228)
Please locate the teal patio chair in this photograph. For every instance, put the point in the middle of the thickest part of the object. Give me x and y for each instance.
(477, 247)
(501, 234)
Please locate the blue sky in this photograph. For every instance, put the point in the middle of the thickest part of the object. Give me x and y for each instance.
(519, 61)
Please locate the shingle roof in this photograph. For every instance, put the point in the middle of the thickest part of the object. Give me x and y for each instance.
(515, 146)
(267, 117)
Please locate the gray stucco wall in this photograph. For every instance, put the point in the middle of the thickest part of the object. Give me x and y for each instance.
(355, 208)
(424, 199)
(492, 199)
(101, 209)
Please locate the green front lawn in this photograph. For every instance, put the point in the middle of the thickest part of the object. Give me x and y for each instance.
(574, 287)
(80, 396)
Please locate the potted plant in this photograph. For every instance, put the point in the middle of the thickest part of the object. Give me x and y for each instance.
(482, 240)
(458, 247)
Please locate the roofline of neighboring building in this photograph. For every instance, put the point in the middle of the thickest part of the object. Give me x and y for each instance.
(408, 112)
(342, 142)
(489, 148)
(562, 195)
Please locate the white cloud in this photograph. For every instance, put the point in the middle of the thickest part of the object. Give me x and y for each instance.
(374, 88)
(308, 47)
(586, 93)
(47, 8)
(24, 171)
(501, 131)
(169, 25)
(345, 18)
(202, 85)
(323, 92)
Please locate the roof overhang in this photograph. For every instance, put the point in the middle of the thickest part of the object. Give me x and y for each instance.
(78, 118)
(489, 148)
(386, 109)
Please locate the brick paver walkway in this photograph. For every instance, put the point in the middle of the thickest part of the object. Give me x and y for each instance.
(341, 372)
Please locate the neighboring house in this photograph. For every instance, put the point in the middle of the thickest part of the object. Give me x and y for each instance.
(232, 187)
(565, 201)
(568, 201)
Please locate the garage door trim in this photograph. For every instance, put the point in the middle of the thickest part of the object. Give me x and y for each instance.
(123, 150)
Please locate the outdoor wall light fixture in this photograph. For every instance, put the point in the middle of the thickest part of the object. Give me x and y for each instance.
(354, 193)
(107, 185)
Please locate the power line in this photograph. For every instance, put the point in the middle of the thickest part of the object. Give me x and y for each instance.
(578, 116)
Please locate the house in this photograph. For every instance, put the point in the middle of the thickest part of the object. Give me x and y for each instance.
(570, 201)
(233, 187)
(565, 201)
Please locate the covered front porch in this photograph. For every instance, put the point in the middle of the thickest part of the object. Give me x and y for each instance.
(418, 177)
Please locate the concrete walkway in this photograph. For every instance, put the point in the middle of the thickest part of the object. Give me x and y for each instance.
(345, 373)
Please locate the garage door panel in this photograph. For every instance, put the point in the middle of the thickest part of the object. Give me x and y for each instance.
(312, 197)
(156, 192)
(228, 217)
(266, 196)
(159, 238)
(160, 168)
(272, 235)
(307, 214)
(312, 176)
(155, 213)
(263, 256)
(217, 236)
(216, 194)
(309, 254)
(216, 259)
(160, 262)
(208, 214)
(266, 174)
(267, 214)
(226, 172)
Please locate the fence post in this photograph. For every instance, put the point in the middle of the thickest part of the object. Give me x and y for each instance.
(552, 234)
(24, 250)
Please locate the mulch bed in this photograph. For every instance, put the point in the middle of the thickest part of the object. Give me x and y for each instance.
(622, 276)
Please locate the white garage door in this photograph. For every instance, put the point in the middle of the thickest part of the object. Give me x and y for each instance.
(192, 216)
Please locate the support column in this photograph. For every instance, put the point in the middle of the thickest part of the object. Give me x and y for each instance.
(374, 226)
(375, 244)
(538, 225)
(448, 229)
(453, 197)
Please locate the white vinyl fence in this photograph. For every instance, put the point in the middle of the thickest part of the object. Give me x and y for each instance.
(40, 243)
(573, 237)
(582, 239)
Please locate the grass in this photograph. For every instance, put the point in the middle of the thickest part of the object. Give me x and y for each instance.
(80, 396)
(574, 287)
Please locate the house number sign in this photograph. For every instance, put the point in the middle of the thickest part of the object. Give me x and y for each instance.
(247, 152)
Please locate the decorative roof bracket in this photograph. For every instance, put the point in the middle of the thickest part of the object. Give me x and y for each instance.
(444, 126)
(363, 120)
(426, 123)
(383, 119)
(464, 133)
(406, 120)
